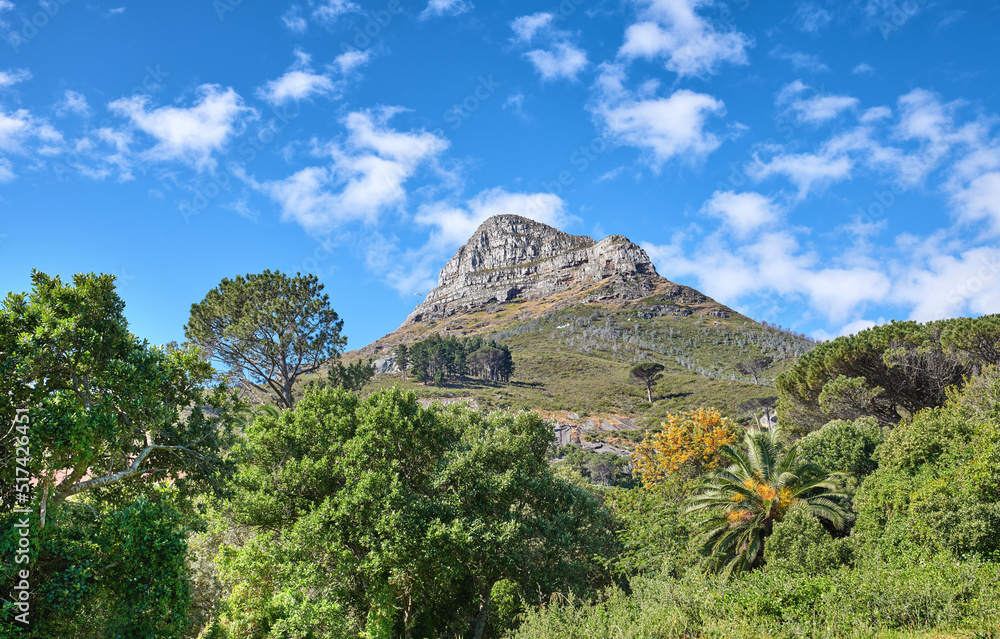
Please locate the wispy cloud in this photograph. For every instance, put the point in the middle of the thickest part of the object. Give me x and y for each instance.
(675, 31)
(365, 175)
(558, 57)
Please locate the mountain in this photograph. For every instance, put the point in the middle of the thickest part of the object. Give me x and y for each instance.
(577, 314)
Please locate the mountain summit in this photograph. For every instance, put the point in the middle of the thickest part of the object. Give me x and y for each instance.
(513, 259)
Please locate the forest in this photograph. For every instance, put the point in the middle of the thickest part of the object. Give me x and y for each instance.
(148, 492)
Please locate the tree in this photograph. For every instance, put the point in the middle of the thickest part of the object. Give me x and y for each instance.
(759, 409)
(887, 372)
(977, 339)
(107, 423)
(689, 444)
(403, 359)
(648, 373)
(268, 329)
(376, 515)
(352, 377)
(754, 367)
(740, 504)
(103, 405)
(935, 489)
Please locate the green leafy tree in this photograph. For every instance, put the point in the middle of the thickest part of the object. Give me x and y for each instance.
(107, 420)
(887, 372)
(648, 373)
(376, 515)
(977, 339)
(845, 446)
(740, 504)
(403, 359)
(103, 405)
(352, 377)
(268, 330)
(938, 477)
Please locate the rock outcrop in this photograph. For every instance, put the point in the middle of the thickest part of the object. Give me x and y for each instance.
(511, 258)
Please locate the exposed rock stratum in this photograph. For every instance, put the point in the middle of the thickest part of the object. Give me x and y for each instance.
(511, 258)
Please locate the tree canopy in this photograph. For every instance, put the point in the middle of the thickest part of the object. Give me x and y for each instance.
(886, 372)
(105, 406)
(117, 436)
(436, 359)
(376, 515)
(268, 329)
(648, 373)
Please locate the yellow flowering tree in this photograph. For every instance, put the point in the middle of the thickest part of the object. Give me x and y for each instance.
(689, 444)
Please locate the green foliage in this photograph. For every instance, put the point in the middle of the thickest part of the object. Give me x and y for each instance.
(648, 373)
(379, 513)
(938, 479)
(653, 531)
(740, 504)
(104, 406)
(268, 330)
(352, 377)
(104, 571)
(976, 339)
(442, 358)
(845, 446)
(887, 372)
(939, 598)
(600, 468)
(800, 545)
(402, 354)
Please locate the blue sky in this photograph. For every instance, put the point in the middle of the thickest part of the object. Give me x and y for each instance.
(821, 165)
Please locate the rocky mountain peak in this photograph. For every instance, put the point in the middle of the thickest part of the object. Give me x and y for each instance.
(512, 258)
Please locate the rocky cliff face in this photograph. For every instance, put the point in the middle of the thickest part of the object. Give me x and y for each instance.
(511, 258)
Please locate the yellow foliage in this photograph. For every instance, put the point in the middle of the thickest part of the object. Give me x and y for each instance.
(689, 444)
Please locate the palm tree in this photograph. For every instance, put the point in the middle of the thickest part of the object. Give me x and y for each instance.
(742, 502)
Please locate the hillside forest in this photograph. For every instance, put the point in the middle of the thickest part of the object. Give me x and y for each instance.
(246, 484)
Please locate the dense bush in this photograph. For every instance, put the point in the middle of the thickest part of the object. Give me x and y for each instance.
(938, 481)
(845, 446)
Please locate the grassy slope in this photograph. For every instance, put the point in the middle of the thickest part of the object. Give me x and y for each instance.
(575, 357)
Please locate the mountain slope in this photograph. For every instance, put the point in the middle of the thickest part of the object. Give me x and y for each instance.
(577, 315)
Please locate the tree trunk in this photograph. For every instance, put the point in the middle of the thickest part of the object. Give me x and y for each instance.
(482, 616)
(649, 392)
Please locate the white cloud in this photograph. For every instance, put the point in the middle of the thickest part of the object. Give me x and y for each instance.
(526, 27)
(560, 58)
(980, 200)
(298, 83)
(563, 61)
(821, 108)
(13, 76)
(366, 177)
(325, 12)
(73, 102)
(19, 127)
(948, 285)
(742, 212)
(330, 10)
(666, 128)
(811, 18)
(187, 134)
(773, 263)
(863, 69)
(294, 21)
(437, 8)
(674, 30)
(351, 60)
(6, 171)
(800, 61)
(808, 171)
